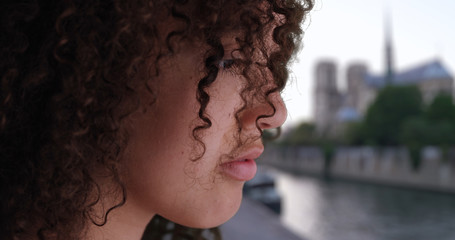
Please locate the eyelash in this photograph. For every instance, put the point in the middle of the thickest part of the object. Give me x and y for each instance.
(226, 64)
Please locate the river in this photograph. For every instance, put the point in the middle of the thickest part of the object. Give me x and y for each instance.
(339, 210)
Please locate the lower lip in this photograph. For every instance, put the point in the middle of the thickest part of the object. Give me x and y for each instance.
(240, 170)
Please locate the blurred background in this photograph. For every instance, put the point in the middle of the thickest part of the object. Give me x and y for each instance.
(354, 31)
(368, 150)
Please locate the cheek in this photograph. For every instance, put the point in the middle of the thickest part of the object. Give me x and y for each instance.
(158, 147)
(162, 178)
(154, 162)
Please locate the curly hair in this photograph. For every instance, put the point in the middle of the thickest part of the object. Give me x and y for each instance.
(67, 74)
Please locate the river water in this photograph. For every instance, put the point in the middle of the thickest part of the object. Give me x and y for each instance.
(321, 210)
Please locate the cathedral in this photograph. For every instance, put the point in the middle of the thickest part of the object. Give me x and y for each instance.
(333, 107)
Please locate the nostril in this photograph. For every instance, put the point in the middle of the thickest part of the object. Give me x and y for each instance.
(264, 125)
(274, 116)
(267, 114)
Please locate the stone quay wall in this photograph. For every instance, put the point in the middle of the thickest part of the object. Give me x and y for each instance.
(391, 166)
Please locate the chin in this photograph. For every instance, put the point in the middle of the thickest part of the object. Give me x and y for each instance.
(209, 218)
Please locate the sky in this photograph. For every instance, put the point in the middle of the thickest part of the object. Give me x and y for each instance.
(352, 31)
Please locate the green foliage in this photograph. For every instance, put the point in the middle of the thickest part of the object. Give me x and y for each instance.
(436, 127)
(441, 109)
(414, 152)
(355, 134)
(419, 131)
(303, 134)
(385, 117)
(396, 117)
(414, 131)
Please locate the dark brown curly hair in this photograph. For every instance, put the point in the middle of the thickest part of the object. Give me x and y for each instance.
(68, 71)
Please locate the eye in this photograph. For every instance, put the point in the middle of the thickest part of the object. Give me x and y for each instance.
(226, 64)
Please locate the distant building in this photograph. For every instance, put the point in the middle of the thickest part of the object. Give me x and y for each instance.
(333, 107)
(431, 78)
(327, 97)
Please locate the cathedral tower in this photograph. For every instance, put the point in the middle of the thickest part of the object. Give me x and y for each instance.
(327, 98)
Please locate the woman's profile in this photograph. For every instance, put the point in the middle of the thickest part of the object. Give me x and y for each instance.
(116, 112)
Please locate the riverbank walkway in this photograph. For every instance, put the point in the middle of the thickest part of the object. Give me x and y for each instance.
(254, 221)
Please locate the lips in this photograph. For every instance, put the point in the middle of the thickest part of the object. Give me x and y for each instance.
(242, 168)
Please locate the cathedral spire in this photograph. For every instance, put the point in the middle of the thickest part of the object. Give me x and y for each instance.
(389, 74)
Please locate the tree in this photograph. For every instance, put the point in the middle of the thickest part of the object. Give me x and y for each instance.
(441, 109)
(435, 127)
(391, 108)
(302, 134)
(354, 133)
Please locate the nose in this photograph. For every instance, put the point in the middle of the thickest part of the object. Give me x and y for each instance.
(268, 115)
(280, 115)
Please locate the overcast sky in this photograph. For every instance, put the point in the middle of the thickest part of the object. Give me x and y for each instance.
(350, 31)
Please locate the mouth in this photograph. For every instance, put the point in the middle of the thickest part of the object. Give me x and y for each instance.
(244, 167)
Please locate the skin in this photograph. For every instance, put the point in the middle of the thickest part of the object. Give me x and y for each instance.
(160, 173)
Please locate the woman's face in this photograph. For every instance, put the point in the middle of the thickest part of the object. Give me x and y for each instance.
(164, 175)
